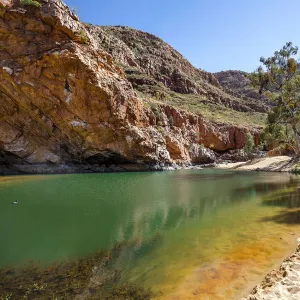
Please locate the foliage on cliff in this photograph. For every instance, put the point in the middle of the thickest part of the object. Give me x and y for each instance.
(30, 3)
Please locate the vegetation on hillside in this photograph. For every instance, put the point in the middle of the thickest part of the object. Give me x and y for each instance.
(249, 147)
(201, 105)
(159, 73)
(153, 91)
(30, 3)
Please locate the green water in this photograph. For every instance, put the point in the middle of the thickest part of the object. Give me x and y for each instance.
(173, 222)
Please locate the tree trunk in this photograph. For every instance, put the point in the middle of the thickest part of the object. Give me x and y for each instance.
(297, 141)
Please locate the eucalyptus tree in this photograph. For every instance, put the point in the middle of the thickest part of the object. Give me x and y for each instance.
(278, 78)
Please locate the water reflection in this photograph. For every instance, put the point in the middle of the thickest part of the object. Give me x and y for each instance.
(287, 197)
(285, 217)
(193, 198)
(167, 223)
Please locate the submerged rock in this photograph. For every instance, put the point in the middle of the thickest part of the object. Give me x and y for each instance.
(93, 277)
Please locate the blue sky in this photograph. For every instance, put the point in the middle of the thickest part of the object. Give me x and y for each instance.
(213, 35)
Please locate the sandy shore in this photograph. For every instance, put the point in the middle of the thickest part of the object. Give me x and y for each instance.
(276, 163)
(282, 284)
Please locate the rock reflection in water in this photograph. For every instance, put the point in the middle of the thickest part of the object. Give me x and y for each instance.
(169, 225)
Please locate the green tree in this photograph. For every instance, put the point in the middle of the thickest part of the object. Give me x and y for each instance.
(275, 135)
(249, 146)
(279, 79)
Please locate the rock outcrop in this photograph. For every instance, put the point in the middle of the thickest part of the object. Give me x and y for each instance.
(239, 85)
(66, 103)
(153, 57)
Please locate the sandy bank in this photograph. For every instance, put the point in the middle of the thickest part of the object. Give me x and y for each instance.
(282, 284)
(276, 163)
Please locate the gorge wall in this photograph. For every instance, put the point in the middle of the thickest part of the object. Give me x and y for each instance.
(67, 103)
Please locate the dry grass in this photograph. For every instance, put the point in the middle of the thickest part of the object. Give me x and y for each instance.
(199, 105)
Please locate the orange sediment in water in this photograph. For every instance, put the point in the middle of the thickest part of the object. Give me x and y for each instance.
(234, 275)
(238, 259)
(5, 180)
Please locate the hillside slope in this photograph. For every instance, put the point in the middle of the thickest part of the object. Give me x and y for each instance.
(238, 84)
(67, 105)
(156, 69)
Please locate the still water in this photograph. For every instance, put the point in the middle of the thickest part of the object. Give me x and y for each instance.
(189, 234)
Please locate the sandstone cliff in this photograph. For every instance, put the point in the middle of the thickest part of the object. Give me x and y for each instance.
(67, 105)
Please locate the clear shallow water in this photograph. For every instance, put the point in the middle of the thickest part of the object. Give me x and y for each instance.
(205, 234)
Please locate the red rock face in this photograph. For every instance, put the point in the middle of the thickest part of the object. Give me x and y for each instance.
(63, 100)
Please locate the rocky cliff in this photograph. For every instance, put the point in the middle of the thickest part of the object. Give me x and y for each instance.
(68, 104)
(238, 84)
(147, 60)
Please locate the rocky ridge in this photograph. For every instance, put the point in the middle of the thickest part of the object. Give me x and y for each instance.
(67, 105)
(147, 60)
(238, 84)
